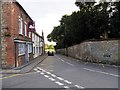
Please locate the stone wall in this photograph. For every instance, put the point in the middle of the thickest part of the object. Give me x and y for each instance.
(95, 51)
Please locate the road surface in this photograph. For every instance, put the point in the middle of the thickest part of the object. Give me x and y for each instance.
(64, 72)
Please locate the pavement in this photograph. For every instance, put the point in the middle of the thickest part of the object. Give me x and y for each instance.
(25, 68)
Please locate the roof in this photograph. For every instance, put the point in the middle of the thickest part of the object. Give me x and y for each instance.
(15, 1)
(38, 35)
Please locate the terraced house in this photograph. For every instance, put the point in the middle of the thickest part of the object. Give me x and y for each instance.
(38, 44)
(17, 29)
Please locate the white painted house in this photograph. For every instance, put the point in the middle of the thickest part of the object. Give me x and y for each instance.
(38, 44)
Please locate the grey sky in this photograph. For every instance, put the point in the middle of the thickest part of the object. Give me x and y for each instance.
(47, 13)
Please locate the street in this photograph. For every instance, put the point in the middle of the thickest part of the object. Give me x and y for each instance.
(59, 71)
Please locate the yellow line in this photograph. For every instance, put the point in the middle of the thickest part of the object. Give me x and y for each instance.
(17, 75)
(10, 76)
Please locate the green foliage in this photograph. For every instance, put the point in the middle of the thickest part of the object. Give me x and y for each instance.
(92, 21)
(115, 22)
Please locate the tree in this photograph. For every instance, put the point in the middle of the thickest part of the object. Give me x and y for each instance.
(92, 21)
(115, 21)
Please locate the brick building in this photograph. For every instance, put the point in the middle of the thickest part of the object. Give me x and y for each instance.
(16, 39)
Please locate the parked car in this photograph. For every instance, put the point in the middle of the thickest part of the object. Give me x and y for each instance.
(50, 53)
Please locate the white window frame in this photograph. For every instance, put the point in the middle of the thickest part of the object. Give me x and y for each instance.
(29, 35)
(33, 36)
(29, 48)
(20, 23)
(21, 49)
(25, 28)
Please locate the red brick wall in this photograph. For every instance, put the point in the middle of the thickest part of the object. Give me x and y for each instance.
(11, 14)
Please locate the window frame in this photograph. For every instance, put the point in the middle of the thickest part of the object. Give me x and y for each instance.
(20, 25)
(25, 28)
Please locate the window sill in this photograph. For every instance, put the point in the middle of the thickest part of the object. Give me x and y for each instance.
(20, 34)
(21, 54)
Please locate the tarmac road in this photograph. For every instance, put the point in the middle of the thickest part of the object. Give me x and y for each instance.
(64, 72)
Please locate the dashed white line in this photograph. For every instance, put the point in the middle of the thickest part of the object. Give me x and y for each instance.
(53, 75)
(108, 73)
(35, 69)
(59, 83)
(62, 60)
(79, 86)
(60, 78)
(89, 69)
(67, 81)
(41, 69)
(38, 71)
(42, 73)
(48, 72)
(46, 76)
(102, 72)
(69, 63)
(52, 79)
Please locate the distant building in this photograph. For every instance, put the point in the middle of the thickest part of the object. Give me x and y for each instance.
(38, 44)
(16, 36)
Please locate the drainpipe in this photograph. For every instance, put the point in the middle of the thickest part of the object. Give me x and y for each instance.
(15, 55)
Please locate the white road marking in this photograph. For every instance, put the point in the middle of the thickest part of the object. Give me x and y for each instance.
(35, 69)
(78, 86)
(53, 75)
(52, 79)
(59, 83)
(89, 69)
(38, 71)
(66, 87)
(60, 78)
(69, 63)
(42, 73)
(67, 81)
(102, 72)
(62, 60)
(46, 76)
(48, 72)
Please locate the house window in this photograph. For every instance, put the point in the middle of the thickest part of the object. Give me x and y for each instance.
(20, 25)
(25, 29)
(29, 48)
(33, 50)
(29, 34)
(21, 49)
(33, 36)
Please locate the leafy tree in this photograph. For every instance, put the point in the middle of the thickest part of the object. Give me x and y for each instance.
(92, 21)
(115, 21)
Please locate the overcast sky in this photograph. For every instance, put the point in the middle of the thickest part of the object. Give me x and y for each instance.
(47, 13)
